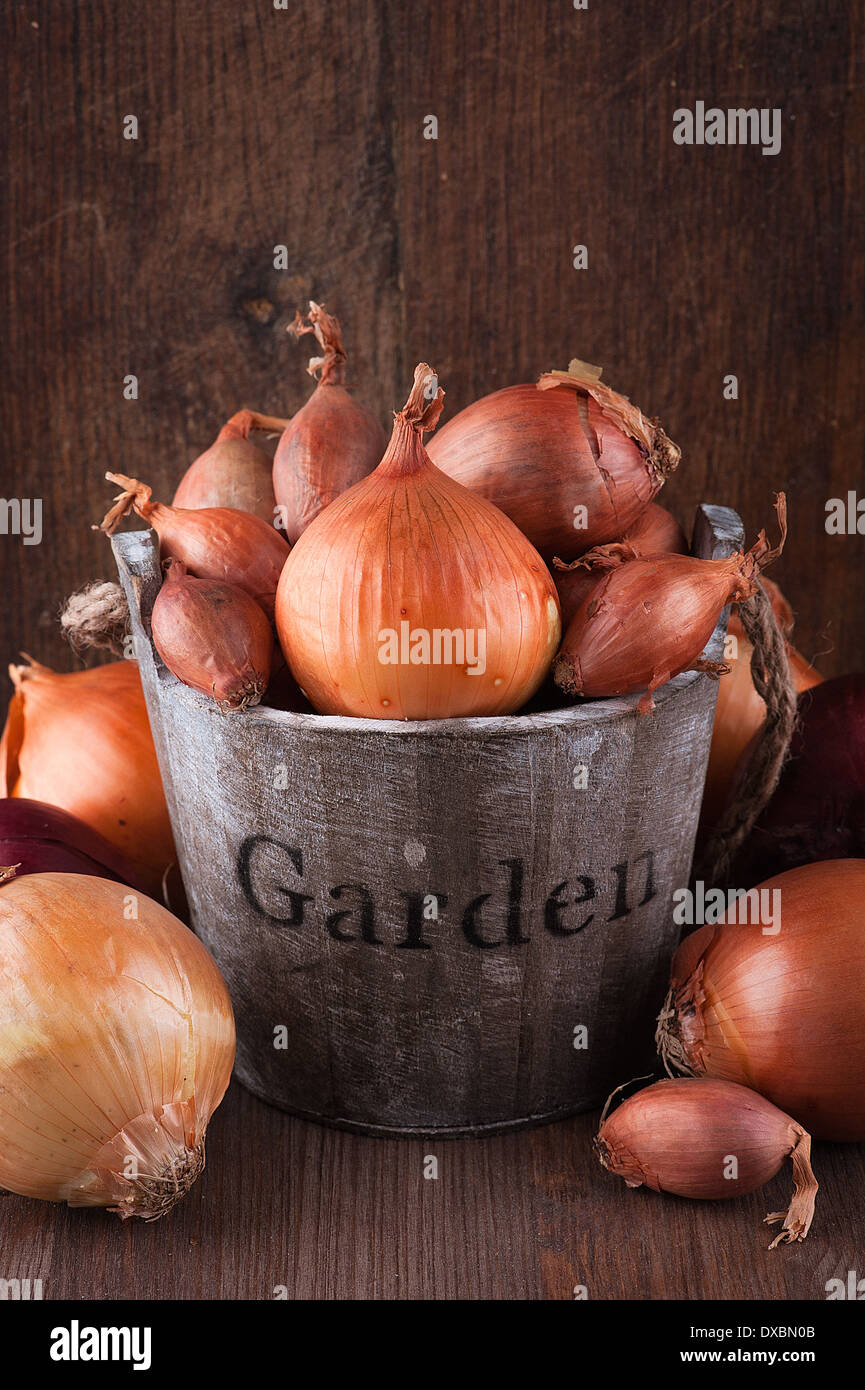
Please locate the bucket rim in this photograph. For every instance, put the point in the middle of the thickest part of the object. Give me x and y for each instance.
(718, 532)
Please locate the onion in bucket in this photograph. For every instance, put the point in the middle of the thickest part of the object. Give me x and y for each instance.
(571, 462)
(410, 597)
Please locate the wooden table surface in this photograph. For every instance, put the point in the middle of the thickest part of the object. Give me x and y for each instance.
(319, 1213)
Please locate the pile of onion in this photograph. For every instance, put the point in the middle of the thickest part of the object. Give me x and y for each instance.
(234, 471)
(116, 1046)
(213, 637)
(331, 443)
(650, 618)
(411, 597)
(780, 1008)
(709, 1140)
(571, 462)
(213, 542)
(82, 741)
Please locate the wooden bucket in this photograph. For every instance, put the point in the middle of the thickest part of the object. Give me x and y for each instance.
(429, 927)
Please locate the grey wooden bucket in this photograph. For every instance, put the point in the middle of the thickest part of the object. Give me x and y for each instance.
(429, 927)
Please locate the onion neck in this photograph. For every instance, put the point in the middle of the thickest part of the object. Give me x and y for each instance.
(135, 496)
(405, 454)
(762, 553)
(240, 424)
(329, 368)
(332, 371)
(32, 670)
(800, 1213)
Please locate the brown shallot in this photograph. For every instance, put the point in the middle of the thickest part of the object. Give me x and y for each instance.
(650, 619)
(709, 1140)
(331, 443)
(571, 462)
(655, 532)
(213, 542)
(213, 637)
(234, 471)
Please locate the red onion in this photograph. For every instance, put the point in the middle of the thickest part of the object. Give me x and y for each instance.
(818, 809)
(36, 838)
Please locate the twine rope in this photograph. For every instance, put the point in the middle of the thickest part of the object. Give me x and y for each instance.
(770, 673)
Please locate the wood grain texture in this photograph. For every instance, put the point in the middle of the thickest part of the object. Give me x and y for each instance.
(322, 1213)
(304, 128)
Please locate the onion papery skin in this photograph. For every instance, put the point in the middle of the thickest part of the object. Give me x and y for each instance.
(784, 1013)
(574, 587)
(331, 444)
(234, 472)
(82, 741)
(540, 453)
(817, 811)
(116, 1042)
(651, 618)
(648, 620)
(36, 838)
(655, 532)
(213, 542)
(739, 715)
(213, 637)
(679, 1136)
(408, 545)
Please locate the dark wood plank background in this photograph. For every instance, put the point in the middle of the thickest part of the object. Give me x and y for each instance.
(304, 127)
